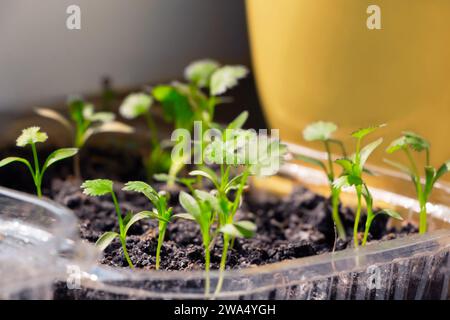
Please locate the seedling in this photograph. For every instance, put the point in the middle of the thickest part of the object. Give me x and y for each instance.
(160, 211)
(254, 156)
(84, 122)
(103, 187)
(412, 141)
(201, 211)
(353, 169)
(322, 131)
(31, 136)
(196, 100)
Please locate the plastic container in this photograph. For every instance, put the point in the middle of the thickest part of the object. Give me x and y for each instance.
(38, 239)
(413, 267)
(38, 246)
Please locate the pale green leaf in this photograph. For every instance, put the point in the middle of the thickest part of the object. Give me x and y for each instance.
(346, 164)
(392, 213)
(396, 145)
(359, 134)
(59, 155)
(9, 160)
(442, 170)
(31, 135)
(399, 166)
(367, 151)
(135, 105)
(226, 78)
(206, 173)
(239, 121)
(199, 72)
(430, 174)
(185, 216)
(98, 187)
(416, 141)
(189, 203)
(51, 114)
(144, 188)
(105, 240)
(311, 160)
(319, 131)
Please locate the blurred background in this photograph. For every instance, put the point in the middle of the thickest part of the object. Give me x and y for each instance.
(312, 60)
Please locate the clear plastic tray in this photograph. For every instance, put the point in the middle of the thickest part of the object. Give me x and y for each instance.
(413, 267)
(38, 238)
(38, 243)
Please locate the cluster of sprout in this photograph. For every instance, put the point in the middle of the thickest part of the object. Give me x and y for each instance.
(230, 159)
(182, 104)
(353, 168)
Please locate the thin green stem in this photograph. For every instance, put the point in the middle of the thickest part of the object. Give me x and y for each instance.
(357, 217)
(37, 175)
(420, 194)
(335, 214)
(223, 260)
(162, 232)
(121, 228)
(423, 217)
(123, 241)
(207, 266)
(330, 160)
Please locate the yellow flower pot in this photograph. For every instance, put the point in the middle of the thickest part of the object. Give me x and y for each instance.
(317, 60)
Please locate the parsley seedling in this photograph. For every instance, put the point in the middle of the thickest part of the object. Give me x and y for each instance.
(412, 141)
(353, 169)
(253, 155)
(200, 209)
(196, 100)
(160, 211)
(84, 122)
(322, 131)
(103, 187)
(31, 136)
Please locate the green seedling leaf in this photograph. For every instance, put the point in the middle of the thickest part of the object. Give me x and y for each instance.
(392, 213)
(430, 174)
(9, 160)
(311, 160)
(442, 170)
(319, 131)
(176, 106)
(189, 204)
(397, 144)
(144, 188)
(208, 197)
(234, 183)
(416, 141)
(346, 164)
(135, 105)
(361, 133)
(239, 121)
(59, 155)
(226, 78)
(51, 114)
(200, 72)
(140, 216)
(206, 173)
(185, 216)
(242, 229)
(399, 166)
(31, 135)
(92, 116)
(367, 151)
(105, 240)
(99, 187)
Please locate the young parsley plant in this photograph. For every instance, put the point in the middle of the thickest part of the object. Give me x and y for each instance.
(31, 136)
(412, 141)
